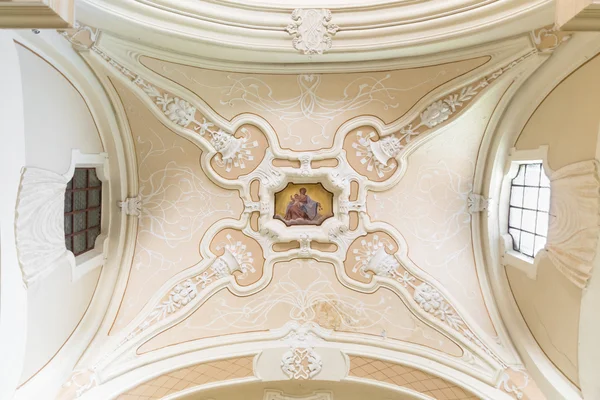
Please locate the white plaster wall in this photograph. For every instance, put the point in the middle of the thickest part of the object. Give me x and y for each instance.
(13, 306)
(57, 120)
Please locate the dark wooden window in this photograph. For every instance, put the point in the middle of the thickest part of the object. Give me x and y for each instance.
(529, 209)
(83, 205)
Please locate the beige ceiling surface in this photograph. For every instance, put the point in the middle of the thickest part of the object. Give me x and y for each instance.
(306, 291)
(306, 110)
(180, 204)
(393, 268)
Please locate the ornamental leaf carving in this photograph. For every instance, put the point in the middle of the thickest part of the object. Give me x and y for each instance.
(312, 30)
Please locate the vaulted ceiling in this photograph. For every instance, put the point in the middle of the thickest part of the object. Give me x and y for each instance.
(231, 273)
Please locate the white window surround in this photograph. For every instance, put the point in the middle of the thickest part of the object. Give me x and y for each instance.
(39, 222)
(509, 256)
(94, 258)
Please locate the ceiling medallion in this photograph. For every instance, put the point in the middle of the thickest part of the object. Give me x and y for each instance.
(303, 204)
(312, 30)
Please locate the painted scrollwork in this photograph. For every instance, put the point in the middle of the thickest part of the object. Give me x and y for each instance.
(183, 293)
(373, 262)
(370, 256)
(378, 159)
(233, 152)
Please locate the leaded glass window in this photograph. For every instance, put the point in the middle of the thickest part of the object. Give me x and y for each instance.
(529, 209)
(83, 201)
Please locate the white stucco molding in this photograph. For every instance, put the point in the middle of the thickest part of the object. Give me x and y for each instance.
(572, 235)
(39, 225)
(94, 258)
(121, 182)
(335, 355)
(509, 256)
(254, 32)
(490, 172)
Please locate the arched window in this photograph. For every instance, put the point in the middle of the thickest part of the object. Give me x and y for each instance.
(83, 207)
(528, 209)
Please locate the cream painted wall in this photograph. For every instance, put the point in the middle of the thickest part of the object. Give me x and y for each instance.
(57, 120)
(13, 304)
(567, 121)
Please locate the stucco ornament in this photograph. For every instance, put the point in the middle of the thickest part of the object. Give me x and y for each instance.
(574, 229)
(235, 258)
(549, 38)
(178, 110)
(476, 203)
(431, 300)
(312, 30)
(39, 230)
(279, 395)
(383, 157)
(232, 151)
(435, 114)
(301, 361)
(377, 155)
(131, 206)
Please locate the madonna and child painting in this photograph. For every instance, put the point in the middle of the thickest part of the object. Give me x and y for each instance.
(308, 204)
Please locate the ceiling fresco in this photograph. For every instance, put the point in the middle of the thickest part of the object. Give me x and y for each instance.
(339, 204)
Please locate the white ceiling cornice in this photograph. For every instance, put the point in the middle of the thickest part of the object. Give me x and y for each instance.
(227, 30)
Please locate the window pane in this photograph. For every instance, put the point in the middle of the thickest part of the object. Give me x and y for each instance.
(68, 224)
(541, 227)
(92, 235)
(78, 222)
(68, 201)
(520, 178)
(540, 242)
(94, 198)
(516, 235)
(530, 199)
(532, 174)
(80, 178)
(68, 243)
(79, 243)
(80, 200)
(514, 217)
(528, 223)
(516, 196)
(527, 243)
(94, 217)
(544, 200)
(94, 181)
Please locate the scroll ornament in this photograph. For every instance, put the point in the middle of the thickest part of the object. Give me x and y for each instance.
(574, 225)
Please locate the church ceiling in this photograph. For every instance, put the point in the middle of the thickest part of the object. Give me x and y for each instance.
(338, 203)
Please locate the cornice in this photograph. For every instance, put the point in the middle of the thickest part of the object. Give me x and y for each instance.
(229, 31)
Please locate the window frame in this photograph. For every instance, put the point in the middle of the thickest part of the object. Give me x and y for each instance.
(87, 261)
(509, 255)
